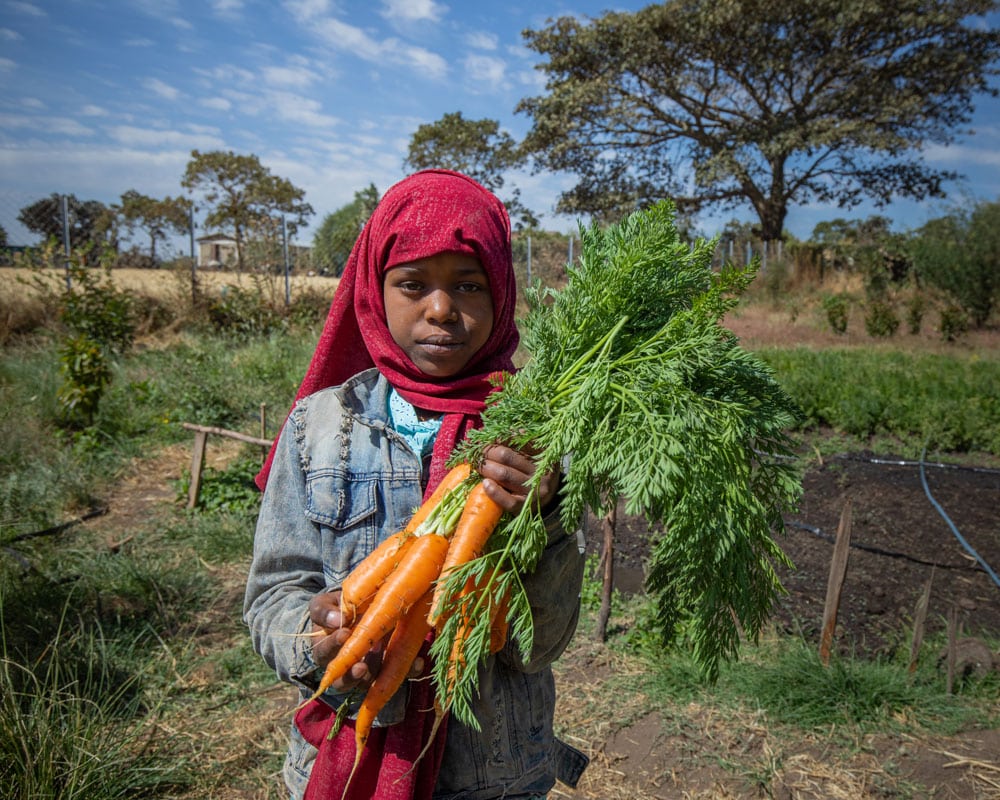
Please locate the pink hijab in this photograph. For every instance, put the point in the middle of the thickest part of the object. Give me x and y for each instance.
(430, 212)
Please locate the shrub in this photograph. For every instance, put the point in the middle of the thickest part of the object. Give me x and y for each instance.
(953, 323)
(881, 319)
(836, 307)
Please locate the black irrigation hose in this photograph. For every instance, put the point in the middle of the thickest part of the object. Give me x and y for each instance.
(878, 550)
(922, 464)
(954, 530)
(904, 463)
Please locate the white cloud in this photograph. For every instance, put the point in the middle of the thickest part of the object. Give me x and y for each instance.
(90, 110)
(33, 103)
(982, 156)
(481, 40)
(413, 10)
(295, 77)
(139, 41)
(227, 74)
(295, 108)
(215, 103)
(158, 87)
(132, 136)
(28, 9)
(485, 69)
(354, 40)
(64, 126)
(7, 65)
(7, 35)
(305, 10)
(227, 8)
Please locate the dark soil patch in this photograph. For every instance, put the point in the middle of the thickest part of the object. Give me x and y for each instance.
(899, 540)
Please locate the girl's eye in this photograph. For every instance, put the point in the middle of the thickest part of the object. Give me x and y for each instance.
(410, 286)
(471, 287)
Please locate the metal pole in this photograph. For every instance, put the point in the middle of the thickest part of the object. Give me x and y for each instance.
(64, 210)
(284, 246)
(194, 260)
(529, 260)
(571, 249)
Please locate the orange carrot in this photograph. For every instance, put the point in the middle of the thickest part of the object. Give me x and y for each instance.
(402, 588)
(477, 523)
(400, 652)
(360, 586)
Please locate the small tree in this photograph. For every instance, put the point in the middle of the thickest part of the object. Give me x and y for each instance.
(335, 237)
(477, 148)
(157, 218)
(960, 255)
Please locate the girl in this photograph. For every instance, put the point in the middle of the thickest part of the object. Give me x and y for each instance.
(423, 315)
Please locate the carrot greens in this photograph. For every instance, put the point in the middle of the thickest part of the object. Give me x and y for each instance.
(635, 387)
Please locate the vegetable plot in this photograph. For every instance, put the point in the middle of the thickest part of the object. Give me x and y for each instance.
(635, 389)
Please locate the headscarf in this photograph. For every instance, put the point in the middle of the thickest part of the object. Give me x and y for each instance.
(430, 212)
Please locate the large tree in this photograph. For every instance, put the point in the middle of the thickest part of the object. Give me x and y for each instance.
(339, 230)
(771, 103)
(90, 222)
(477, 148)
(156, 217)
(243, 195)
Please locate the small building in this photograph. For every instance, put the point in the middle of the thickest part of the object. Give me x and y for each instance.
(216, 250)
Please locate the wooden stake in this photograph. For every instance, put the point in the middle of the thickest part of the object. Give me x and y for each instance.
(197, 465)
(919, 622)
(838, 571)
(608, 559)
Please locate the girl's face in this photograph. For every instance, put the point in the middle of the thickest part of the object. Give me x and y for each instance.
(439, 311)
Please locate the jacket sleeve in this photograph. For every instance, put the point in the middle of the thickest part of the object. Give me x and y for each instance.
(553, 591)
(286, 570)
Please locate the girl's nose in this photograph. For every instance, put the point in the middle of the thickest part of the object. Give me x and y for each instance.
(441, 307)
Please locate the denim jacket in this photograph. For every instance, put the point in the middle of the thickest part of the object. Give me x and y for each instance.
(341, 481)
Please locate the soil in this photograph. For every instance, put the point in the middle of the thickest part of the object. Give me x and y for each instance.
(901, 539)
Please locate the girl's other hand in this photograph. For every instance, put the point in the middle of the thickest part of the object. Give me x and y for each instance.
(326, 617)
(506, 471)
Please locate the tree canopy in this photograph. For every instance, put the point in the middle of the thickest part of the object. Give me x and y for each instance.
(477, 148)
(154, 216)
(89, 220)
(243, 195)
(770, 103)
(339, 230)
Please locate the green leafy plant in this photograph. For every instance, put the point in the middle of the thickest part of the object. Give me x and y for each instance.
(881, 319)
(836, 307)
(953, 323)
(633, 377)
(100, 325)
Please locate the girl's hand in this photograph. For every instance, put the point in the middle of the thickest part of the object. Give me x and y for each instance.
(505, 473)
(327, 618)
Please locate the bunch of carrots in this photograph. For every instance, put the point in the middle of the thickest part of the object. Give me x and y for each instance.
(399, 591)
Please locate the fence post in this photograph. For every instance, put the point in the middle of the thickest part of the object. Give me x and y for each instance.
(194, 260)
(284, 251)
(529, 259)
(64, 210)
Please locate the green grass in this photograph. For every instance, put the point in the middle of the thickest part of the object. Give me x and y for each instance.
(948, 403)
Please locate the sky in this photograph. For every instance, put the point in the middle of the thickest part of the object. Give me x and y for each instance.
(100, 97)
